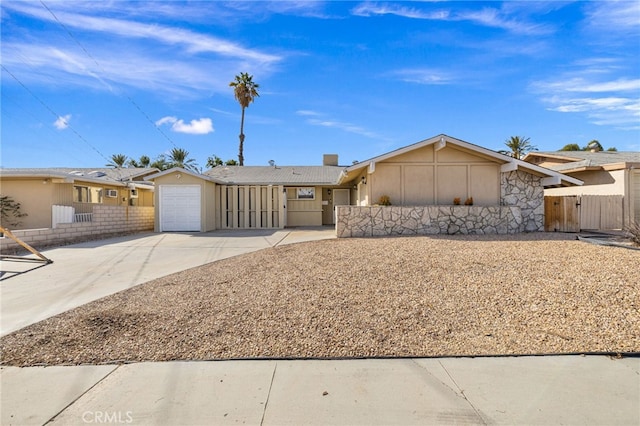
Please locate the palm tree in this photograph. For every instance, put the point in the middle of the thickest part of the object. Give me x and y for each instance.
(519, 146)
(245, 91)
(160, 163)
(179, 157)
(117, 161)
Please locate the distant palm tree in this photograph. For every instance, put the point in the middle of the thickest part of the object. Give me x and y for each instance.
(519, 147)
(117, 161)
(245, 91)
(179, 157)
(160, 163)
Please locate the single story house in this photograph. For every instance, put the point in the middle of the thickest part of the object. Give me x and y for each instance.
(423, 182)
(73, 192)
(604, 173)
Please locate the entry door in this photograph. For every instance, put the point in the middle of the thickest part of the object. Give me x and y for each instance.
(341, 197)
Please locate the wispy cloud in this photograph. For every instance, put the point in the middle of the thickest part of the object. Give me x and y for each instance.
(192, 41)
(605, 101)
(614, 16)
(317, 119)
(428, 76)
(489, 17)
(200, 126)
(62, 122)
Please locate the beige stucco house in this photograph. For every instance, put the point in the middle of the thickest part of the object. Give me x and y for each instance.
(421, 181)
(604, 173)
(76, 191)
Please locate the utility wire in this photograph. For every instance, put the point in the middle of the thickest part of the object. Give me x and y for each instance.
(57, 116)
(104, 73)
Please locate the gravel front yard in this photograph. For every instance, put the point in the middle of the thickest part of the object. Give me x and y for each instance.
(414, 296)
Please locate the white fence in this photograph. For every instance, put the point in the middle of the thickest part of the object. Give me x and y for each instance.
(67, 214)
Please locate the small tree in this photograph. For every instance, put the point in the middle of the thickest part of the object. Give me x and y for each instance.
(10, 211)
(571, 147)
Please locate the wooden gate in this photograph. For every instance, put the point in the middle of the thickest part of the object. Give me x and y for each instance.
(561, 214)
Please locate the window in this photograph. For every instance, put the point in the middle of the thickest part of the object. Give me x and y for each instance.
(303, 193)
(87, 194)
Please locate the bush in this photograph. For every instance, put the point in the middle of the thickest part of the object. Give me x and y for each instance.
(10, 212)
(633, 232)
(384, 200)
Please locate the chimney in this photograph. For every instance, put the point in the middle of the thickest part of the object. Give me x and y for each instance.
(330, 160)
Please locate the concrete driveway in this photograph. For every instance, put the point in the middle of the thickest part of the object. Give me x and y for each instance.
(81, 273)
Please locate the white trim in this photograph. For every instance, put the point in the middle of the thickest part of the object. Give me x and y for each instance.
(551, 180)
(509, 167)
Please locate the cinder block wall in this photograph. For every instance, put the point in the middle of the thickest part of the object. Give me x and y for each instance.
(107, 221)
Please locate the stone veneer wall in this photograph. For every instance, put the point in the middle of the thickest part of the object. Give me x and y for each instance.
(524, 190)
(521, 210)
(107, 221)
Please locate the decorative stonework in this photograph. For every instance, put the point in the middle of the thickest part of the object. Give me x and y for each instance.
(524, 190)
(521, 210)
(368, 221)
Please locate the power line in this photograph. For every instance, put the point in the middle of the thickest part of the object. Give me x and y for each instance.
(57, 116)
(104, 73)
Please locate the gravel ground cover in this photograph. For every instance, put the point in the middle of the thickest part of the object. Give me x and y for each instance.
(414, 296)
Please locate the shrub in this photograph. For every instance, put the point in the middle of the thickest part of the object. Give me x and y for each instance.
(384, 200)
(469, 201)
(10, 211)
(633, 232)
(456, 201)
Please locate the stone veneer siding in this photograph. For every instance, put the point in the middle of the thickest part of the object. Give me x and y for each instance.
(107, 221)
(521, 210)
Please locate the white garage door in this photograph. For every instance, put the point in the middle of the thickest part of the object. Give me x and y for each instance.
(179, 208)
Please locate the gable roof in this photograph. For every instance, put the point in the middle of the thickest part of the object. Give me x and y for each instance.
(183, 171)
(574, 161)
(276, 175)
(111, 176)
(440, 141)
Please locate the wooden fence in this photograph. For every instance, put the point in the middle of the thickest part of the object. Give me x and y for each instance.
(250, 207)
(572, 213)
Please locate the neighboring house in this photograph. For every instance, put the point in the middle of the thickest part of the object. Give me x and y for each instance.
(77, 190)
(604, 173)
(421, 180)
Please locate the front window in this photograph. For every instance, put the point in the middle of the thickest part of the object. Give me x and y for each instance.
(87, 194)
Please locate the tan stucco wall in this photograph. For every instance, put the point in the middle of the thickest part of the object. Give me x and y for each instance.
(427, 177)
(595, 183)
(304, 212)
(35, 198)
(207, 200)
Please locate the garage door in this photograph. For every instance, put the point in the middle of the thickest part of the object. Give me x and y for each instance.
(179, 208)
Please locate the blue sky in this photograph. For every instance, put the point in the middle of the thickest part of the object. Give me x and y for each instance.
(84, 80)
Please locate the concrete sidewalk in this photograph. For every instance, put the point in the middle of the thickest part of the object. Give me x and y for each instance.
(573, 390)
(81, 273)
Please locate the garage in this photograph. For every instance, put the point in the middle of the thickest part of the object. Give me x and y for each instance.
(180, 208)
